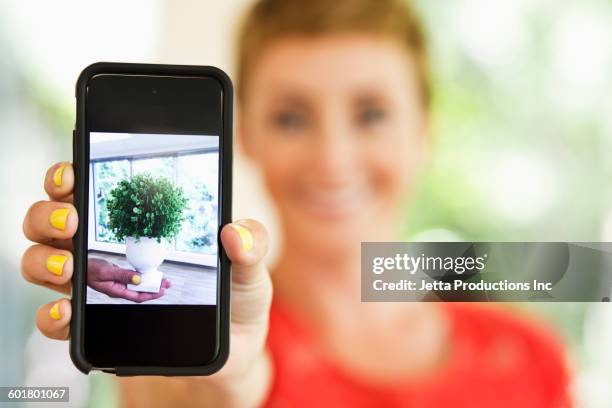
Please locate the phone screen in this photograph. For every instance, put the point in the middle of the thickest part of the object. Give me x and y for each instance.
(154, 210)
(155, 159)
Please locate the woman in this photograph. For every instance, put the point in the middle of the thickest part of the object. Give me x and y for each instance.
(333, 108)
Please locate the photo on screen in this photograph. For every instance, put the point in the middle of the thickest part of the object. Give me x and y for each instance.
(153, 219)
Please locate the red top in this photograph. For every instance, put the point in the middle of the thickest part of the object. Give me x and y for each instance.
(498, 360)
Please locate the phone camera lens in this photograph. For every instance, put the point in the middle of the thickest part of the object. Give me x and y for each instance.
(154, 91)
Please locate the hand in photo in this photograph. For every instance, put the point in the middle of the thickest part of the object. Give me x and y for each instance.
(112, 280)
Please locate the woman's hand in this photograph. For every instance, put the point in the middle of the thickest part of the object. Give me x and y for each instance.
(245, 378)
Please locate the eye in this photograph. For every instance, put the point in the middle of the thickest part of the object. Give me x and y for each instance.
(371, 116)
(290, 120)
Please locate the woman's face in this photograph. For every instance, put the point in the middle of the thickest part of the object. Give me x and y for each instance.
(338, 128)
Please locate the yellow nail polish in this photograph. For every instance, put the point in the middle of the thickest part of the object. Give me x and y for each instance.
(245, 237)
(57, 176)
(136, 279)
(54, 312)
(58, 218)
(55, 264)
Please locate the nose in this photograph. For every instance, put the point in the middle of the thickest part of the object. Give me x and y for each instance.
(334, 154)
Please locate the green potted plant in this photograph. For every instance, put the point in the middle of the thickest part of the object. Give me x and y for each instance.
(144, 211)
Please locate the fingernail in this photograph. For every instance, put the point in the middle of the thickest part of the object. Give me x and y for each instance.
(54, 312)
(55, 264)
(57, 176)
(58, 218)
(245, 237)
(136, 279)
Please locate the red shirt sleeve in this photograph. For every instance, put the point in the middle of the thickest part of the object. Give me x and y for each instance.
(498, 360)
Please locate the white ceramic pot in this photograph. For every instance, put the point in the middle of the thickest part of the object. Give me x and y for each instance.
(145, 255)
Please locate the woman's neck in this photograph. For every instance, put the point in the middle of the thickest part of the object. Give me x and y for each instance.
(304, 270)
(300, 273)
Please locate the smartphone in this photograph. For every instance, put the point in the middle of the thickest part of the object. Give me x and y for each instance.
(153, 172)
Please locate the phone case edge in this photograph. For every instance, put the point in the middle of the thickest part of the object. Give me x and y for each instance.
(79, 151)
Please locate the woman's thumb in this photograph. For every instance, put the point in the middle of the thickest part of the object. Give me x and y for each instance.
(246, 244)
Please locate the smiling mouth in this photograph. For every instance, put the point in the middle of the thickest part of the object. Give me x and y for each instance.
(335, 203)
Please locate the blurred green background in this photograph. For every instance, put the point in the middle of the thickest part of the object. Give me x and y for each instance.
(521, 129)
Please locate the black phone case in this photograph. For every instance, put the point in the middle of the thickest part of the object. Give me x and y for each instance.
(80, 162)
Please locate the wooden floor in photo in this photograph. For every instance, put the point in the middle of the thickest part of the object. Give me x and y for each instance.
(191, 284)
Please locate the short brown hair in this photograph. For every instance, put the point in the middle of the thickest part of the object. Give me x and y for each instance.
(270, 20)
